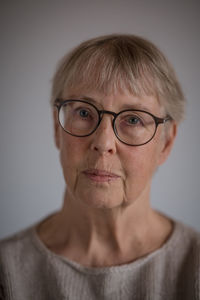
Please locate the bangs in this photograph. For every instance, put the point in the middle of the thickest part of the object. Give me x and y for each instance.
(124, 63)
(106, 72)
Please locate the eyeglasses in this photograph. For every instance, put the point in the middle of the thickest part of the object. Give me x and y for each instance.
(132, 127)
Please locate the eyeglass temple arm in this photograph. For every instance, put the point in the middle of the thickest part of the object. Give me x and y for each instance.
(57, 103)
(163, 120)
(168, 118)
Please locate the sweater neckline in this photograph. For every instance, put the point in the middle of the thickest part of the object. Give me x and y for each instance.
(167, 246)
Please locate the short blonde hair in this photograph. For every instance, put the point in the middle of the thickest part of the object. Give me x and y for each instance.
(120, 62)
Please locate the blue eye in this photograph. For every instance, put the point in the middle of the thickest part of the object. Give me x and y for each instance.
(134, 120)
(83, 113)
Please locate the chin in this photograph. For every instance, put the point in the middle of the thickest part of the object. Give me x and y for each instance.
(101, 200)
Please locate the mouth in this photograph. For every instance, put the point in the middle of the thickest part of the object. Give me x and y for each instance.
(100, 175)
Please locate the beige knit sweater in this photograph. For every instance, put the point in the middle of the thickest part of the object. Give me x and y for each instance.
(28, 270)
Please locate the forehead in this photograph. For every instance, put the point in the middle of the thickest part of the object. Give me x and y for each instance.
(116, 100)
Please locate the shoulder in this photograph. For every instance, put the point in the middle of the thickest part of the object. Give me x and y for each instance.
(23, 246)
(13, 251)
(15, 242)
(185, 259)
(22, 242)
(183, 251)
(184, 239)
(18, 251)
(187, 235)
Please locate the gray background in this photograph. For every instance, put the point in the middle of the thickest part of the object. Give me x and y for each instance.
(34, 35)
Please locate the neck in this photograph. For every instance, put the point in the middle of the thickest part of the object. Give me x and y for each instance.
(100, 237)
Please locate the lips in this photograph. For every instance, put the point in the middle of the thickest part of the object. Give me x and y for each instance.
(100, 175)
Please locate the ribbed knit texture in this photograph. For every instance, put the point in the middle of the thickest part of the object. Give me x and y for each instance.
(28, 270)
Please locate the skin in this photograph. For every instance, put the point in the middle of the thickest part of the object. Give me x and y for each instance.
(108, 221)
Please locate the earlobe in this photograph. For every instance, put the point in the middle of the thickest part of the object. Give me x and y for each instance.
(56, 128)
(169, 139)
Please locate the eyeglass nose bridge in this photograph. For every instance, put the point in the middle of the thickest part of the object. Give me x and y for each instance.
(102, 112)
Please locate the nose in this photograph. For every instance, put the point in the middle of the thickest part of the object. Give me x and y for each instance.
(104, 139)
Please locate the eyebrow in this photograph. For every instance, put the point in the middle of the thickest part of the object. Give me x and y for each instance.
(125, 106)
(86, 98)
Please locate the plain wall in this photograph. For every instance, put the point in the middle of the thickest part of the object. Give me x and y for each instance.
(34, 36)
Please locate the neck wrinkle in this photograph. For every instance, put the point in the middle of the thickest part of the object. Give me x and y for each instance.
(107, 228)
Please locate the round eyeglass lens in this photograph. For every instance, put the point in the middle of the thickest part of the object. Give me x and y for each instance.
(78, 118)
(135, 127)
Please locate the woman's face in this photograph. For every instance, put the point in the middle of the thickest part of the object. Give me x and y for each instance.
(99, 170)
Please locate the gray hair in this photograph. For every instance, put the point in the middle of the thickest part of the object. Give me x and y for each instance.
(120, 62)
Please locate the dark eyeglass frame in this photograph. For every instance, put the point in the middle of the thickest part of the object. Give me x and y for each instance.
(59, 103)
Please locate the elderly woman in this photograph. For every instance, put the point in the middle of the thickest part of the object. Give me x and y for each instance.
(116, 105)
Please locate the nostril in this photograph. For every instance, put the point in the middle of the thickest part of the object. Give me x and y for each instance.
(102, 149)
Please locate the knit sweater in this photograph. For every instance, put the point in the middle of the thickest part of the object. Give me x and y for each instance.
(28, 270)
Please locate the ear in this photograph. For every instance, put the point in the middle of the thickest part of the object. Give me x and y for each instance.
(56, 128)
(169, 139)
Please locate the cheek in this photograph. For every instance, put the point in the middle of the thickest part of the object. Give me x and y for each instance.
(141, 160)
(71, 156)
(139, 166)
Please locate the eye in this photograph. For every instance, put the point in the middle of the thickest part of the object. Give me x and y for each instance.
(133, 120)
(83, 113)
